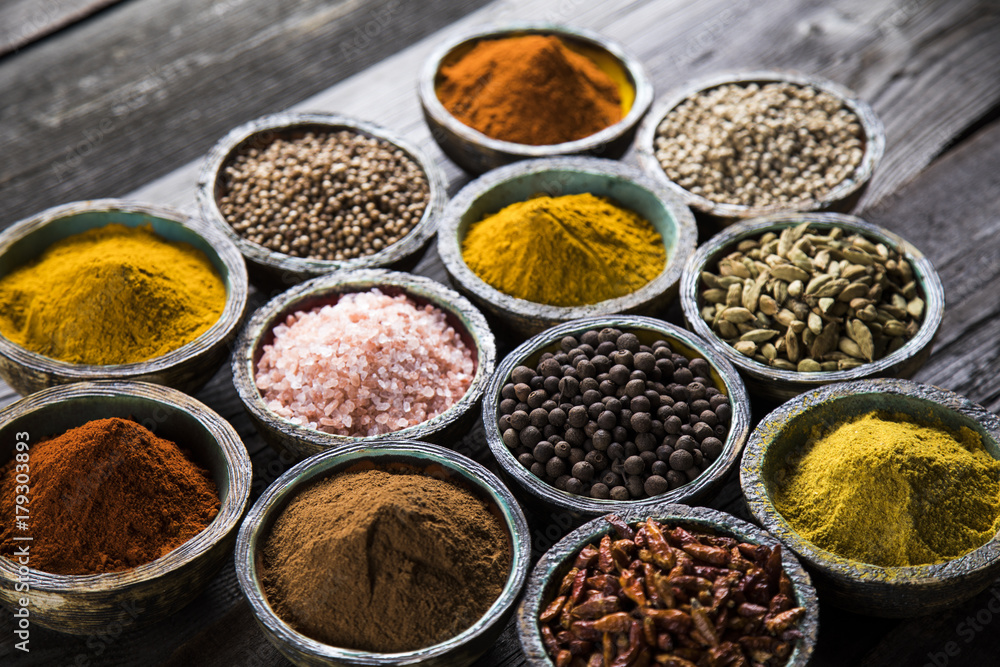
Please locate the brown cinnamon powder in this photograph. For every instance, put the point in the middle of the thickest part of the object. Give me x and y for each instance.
(384, 561)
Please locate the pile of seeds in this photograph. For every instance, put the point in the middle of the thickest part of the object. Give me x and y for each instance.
(811, 301)
(366, 365)
(672, 597)
(609, 417)
(332, 196)
(760, 145)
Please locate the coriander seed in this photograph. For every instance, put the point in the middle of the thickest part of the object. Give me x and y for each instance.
(332, 196)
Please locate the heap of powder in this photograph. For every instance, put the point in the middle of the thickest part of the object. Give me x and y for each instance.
(565, 251)
(106, 496)
(529, 90)
(884, 490)
(384, 562)
(367, 365)
(112, 295)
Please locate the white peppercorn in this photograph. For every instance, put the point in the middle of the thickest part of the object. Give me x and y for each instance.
(760, 145)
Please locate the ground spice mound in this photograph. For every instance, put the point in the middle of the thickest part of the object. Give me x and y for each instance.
(367, 365)
(107, 496)
(565, 251)
(384, 562)
(529, 90)
(885, 490)
(112, 295)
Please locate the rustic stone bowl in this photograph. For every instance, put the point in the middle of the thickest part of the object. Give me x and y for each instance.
(556, 177)
(477, 153)
(188, 367)
(272, 269)
(301, 441)
(89, 604)
(893, 592)
(842, 198)
(402, 455)
(538, 493)
(778, 385)
(557, 561)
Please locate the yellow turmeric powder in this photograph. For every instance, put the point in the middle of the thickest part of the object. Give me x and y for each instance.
(565, 251)
(886, 490)
(112, 295)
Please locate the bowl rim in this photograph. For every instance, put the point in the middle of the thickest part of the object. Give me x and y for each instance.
(231, 509)
(450, 251)
(633, 67)
(236, 284)
(925, 274)
(739, 427)
(719, 521)
(361, 280)
(279, 493)
(278, 123)
(871, 125)
(758, 499)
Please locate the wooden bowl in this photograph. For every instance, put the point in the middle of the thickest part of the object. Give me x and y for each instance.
(779, 385)
(461, 650)
(188, 367)
(537, 492)
(477, 153)
(893, 592)
(843, 197)
(89, 604)
(555, 177)
(272, 269)
(557, 561)
(301, 441)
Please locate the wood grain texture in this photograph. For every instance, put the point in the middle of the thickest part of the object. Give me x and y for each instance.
(23, 22)
(151, 84)
(927, 66)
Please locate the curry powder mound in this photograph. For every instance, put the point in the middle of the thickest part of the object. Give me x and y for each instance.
(887, 490)
(565, 251)
(112, 295)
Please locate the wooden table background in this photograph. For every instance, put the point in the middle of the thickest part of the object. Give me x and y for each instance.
(124, 103)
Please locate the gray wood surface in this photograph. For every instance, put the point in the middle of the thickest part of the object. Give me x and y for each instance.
(927, 66)
(150, 84)
(23, 22)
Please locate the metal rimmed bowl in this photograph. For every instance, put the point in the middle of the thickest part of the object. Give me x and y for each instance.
(477, 153)
(557, 561)
(539, 493)
(780, 385)
(274, 269)
(188, 367)
(893, 592)
(402, 455)
(87, 604)
(556, 177)
(301, 441)
(841, 197)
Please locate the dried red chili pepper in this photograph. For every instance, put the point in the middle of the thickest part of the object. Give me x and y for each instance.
(672, 597)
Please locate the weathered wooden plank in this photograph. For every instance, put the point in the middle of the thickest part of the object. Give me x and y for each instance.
(23, 22)
(867, 45)
(141, 90)
(950, 212)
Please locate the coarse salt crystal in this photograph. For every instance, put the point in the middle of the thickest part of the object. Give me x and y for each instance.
(366, 365)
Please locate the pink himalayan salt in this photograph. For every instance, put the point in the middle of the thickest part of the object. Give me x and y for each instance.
(367, 365)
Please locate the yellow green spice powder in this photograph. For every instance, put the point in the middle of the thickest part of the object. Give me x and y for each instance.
(886, 490)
